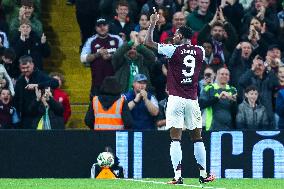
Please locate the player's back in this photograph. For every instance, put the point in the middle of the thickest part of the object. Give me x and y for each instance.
(183, 71)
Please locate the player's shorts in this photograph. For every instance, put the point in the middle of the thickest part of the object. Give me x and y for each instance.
(182, 113)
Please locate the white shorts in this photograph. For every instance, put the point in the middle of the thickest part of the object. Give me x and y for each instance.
(182, 113)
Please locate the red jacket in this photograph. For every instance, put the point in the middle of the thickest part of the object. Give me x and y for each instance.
(61, 96)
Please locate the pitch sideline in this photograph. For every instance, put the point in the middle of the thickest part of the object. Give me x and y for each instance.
(157, 182)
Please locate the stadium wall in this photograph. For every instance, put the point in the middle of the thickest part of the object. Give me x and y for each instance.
(70, 154)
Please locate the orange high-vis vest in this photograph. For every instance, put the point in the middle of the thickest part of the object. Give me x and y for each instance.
(108, 119)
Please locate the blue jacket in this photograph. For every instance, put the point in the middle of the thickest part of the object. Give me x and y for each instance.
(280, 108)
(141, 117)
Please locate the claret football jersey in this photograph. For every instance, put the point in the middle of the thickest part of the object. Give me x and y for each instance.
(183, 68)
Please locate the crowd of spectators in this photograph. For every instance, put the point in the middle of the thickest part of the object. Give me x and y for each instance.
(29, 98)
(242, 77)
(241, 84)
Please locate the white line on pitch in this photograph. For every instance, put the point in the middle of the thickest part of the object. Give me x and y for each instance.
(157, 182)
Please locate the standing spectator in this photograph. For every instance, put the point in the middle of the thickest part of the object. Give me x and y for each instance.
(6, 109)
(162, 24)
(121, 24)
(46, 111)
(189, 6)
(222, 35)
(281, 24)
(25, 13)
(280, 108)
(273, 58)
(208, 78)
(142, 104)
(130, 59)
(109, 110)
(219, 99)
(61, 96)
(25, 86)
(29, 43)
(97, 52)
(239, 63)
(199, 17)
(265, 81)
(177, 22)
(251, 114)
(143, 23)
(170, 6)
(86, 14)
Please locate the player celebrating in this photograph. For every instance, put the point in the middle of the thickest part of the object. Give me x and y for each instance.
(185, 62)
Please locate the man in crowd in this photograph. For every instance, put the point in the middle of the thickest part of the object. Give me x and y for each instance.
(97, 52)
(30, 79)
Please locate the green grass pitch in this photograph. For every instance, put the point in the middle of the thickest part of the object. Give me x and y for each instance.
(140, 184)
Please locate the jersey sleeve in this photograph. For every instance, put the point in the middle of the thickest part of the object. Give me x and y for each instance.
(166, 49)
(203, 51)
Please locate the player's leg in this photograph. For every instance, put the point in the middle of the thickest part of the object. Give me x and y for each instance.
(175, 122)
(176, 153)
(193, 121)
(200, 155)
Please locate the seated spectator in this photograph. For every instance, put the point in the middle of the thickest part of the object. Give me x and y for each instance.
(61, 96)
(222, 35)
(199, 17)
(143, 23)
(29, 43)
(219, 99)
(109, 110)
(142, 104)
(25, 13)
(265, 81)
(130, 59)
(280, 108)
(121, 24)
(5, 80)
(8, 61)
(25, 86)
(46, 111)
(97, 53)
(6, 109)
(251, 114)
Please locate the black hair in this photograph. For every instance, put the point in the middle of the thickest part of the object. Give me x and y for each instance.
(9, 53)
(186, 32)
(251, 88)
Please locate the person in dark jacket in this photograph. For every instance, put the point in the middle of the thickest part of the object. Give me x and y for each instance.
(29, 43)
(266, 81)
(251, 114)
(110, 93)
(25, 86)
(6, 109)
(46, 111)
(280, 108)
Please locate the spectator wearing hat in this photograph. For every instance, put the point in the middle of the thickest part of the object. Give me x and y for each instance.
(27, 42)
(109, 110)
(97, 53)
(273, 58)
(142, 104)
(25, 13)
(265, 81)
(122, 24)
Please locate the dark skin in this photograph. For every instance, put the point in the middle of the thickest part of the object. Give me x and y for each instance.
(194, 134)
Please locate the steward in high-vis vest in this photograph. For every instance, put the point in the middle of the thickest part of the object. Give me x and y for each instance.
(109, 110)
(219, 103)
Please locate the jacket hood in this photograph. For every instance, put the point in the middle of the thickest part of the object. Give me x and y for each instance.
(108, 100)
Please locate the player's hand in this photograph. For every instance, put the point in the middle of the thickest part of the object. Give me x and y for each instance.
(154, 17)
(144, 94)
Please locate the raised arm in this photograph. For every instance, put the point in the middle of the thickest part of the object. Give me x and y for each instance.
(149, 37)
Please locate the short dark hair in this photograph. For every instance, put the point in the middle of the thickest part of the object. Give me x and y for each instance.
(251, 88)
(60, 75)
(218, 24)
(25, 59)
(186, 32)
(10, 54)
(122, 3)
